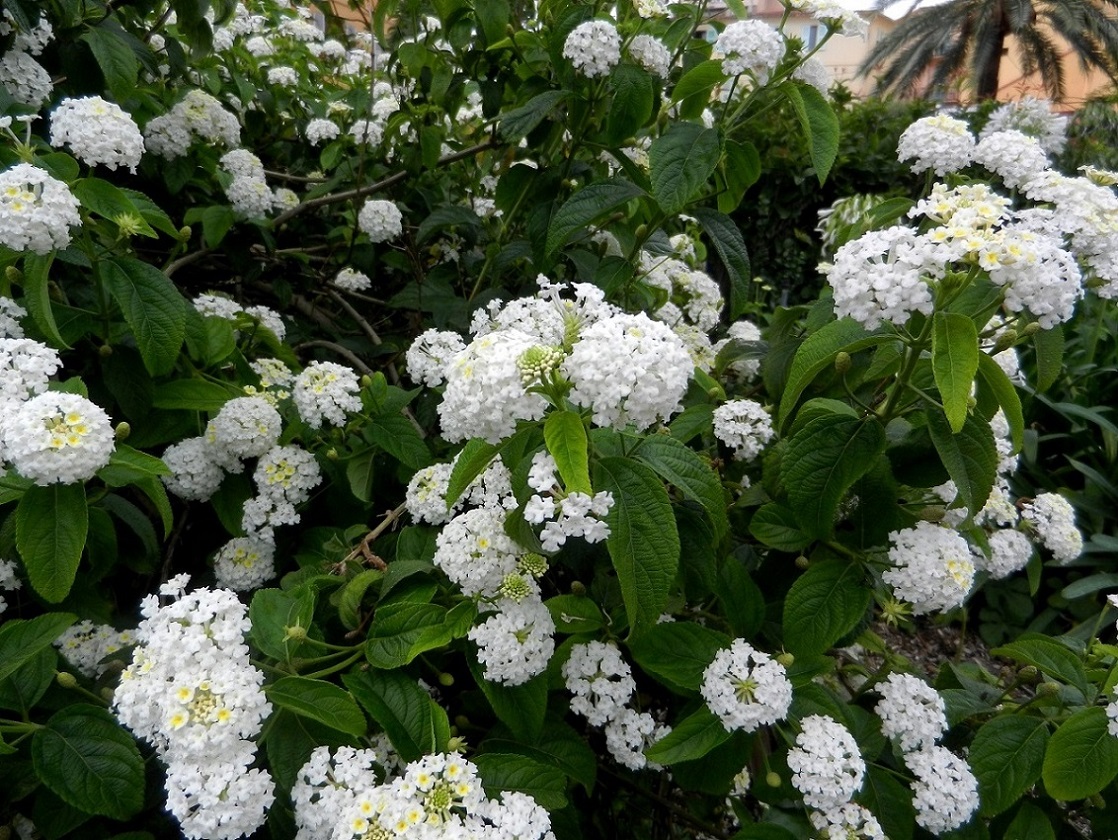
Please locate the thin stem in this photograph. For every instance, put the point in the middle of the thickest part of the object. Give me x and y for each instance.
(333, 669)
(344, 352)
(363, 546)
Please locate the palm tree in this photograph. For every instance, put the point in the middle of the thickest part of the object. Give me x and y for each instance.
(965, 39)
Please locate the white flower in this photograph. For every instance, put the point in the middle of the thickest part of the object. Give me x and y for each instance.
(380, 220)
(1032, 117)
(651, 54)
(600, 680)
(746, 687)
(325, 392)
(8, 580)
(933, 567)
(219, 799)
(1014, 156)
(321, 130)
(430, 354)
(85, 644)
(326, 787)
(940, 143)
(750, 46)
(474, 551)
(197, 117)
(26, 79)
(98, 132)
(245, 427)
(10, 315)
(36, 210)
(244, 564)
(849, 822)
(1010, 551)
(945, 791)
(629, 734)
(25, 369)
(630, 370)
(911, 711)
(593, 48)
(196, 469)
(815, 73)
(58, 438)
(1053, 519)
(251, 198)
(283, 76)
(351, 280)
(515, 643)
(744, 425)
(826, 766)
(242, 162)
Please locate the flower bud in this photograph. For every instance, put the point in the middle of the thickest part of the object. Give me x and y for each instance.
(332, 454)
(366, 381)
(122, 431)
(772, 779)
(1006, 340)
(66, 679)
(185, 233)
(1031, 329)
(104, 351)
(802, 562)
(13, 274)
(786, 659)
(1048, 688)
(446, 680)
(461, 721)
(456, 744)
(1028, 674)
(578, 587)
(294, 633)
(107, 694)
(842, 362)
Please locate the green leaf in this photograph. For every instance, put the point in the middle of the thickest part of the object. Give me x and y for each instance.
(819, 122)
(409, 716)
(681, 161)
(1049, 346)
(821, 462)
(519, 122)
(396, 630)
(36, 296)
(970, 456)
(321, 701)
(565, 436)
(545, 783)
(472, 461)
(21, 640)
(521, 708)
(726, 237)
(115, 58)
(193, 395)
(823, 605)
(692, 738)
(575, 614)
(890, 801)
(51, 527)
(1030, 823)
(395, 434)
(271, 611)
(1007, 756)
(954, 363)
(443, 218)
(775, 525)
(817, 353)
(631, 104)
(991, 376)
(84, 756)
(643, 542)
(110, 202)
(153, 308)
(741, 168)
(677, 652)
(1047, 655)
(493, 17)
(1082, 756)
(682, 467)
(128, 465)
(692, 92)
(587, 206)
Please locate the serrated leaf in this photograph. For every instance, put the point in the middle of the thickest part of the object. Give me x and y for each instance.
(678, 652)
(822, 461)
(1082, 756)
(1049, 346)
(590, 204)
(396, 435)
(631, 104)
(726, 237)
(21, 640)
(84, 756)
(521, 708)
(970, 457)
(823, 605)
(692, 91)
(407, 713)
(819, 123)
(776, 526)
(271, 611)
(1049, 656)
(115, 58)
(565, 436)
(128, 466)
(396, 629)
(954, 363)
(643, 542)
(545, 783)
(1007, 756)
(319, 700)
(519, 122)
(682, 467)
(153, 308)
(110, 202)
(681, 161)
(994, 378)
(36, 296)
(192, 394)
(690, 739)
(51, 527)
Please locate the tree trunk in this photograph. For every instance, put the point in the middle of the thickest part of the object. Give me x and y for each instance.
(987, 82)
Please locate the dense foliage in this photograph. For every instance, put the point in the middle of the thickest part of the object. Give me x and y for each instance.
(383, 458)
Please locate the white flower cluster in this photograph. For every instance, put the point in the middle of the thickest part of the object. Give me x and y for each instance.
(429, 356)
(248, 191)
(912, 712)
(744, 332)
(692, 294)
(945, 791)
(932, 567)
(593, 48)
(474, 551)
(245, 563)
(380, 220)
(939, 143)
(516, 642)
(197, 117)
(651, 54)
(1033, 117)
(25, 369)
(750, 46)
(56, 438)
(1052, 517)
(283, 76)
(192, 693)
(244, 427)
(826, 766)
(602, 684)
(1013, 156)
(352, 280)
(36, 210)
(222, 307)
(849, 822)
(97, 132)
(746, 687)
(326, 392)
(321, 130)
(835, 15)
(744, 425)
(8, 580)
(10, 315)
(426, 493)
(563, 514)
(196, 470)
(86, 644)
(284, 477)
(25, 79)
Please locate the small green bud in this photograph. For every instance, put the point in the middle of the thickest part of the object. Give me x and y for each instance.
(294, 633)
(971, 403)
(772, 779)
(1028, 674)
(786, 659)
(1048, 688)
(537, 362)
(104, 351)
(514, 587)
(332, 454)
(1006, 340)
(532, 564)
(185, 233)
(461, 721)
(456, 744)
(366, 381)
(128, 224)
(842, 362)
(66, 679)
(802, 562)
(1096, 800)
(122, 431)
(933, 513)
(446, 680)
(107, 694)
(13, 274)
(1031, 329)
(578, 587)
